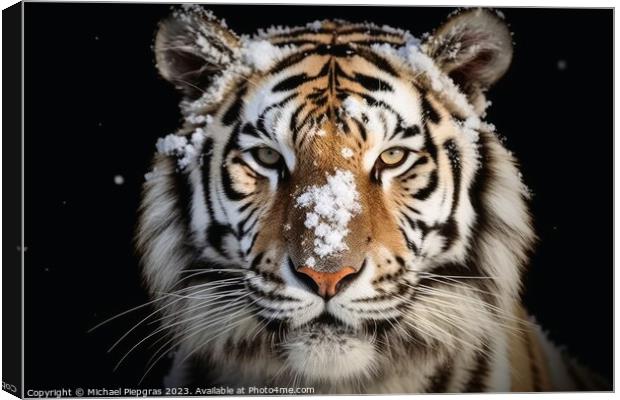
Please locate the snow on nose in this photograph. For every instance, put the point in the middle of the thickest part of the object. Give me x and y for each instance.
(330, 208)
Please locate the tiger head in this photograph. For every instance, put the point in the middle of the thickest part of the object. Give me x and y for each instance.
(334, 209)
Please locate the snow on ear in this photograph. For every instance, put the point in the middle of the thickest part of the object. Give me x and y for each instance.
(474, 48)
(192, 48)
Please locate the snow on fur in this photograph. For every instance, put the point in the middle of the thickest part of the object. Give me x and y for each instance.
(253, 55)
(257, 54)
(330, 208)
(260, 55)
(353, 107)
(471, 127)
(186, 151)
(411, 56)
(346, 152)
(356, 107)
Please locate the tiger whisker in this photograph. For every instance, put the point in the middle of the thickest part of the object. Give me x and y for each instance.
(435, 327)
(134, 327)
(203, 272)
(452, 319)
(199, 328)
(507, 317)
(202, 304)
(224, 330)
(161, 329)
(228, 328)
(504, 314)
(266, 323)
(218, 313)
(114, 317)
(422, 273)
(458, 284)
(429, 289)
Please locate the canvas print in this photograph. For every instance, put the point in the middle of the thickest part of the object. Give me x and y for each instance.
(269, 200)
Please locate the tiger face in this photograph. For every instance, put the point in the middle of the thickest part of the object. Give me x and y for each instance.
(334, 210)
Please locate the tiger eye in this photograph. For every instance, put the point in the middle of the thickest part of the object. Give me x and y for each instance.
(268, 156)
(393, 156)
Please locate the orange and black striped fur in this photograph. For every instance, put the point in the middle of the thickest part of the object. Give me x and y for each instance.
(335, 213)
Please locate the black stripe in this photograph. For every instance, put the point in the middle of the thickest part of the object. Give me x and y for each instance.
(440, 380)
(478, 377)
(369, 43)
(485, 222)
(360, 128)
(367, 31)
(411, 131)
(336, 50)
(244, 207)
(480, 186)
(414, 210)
(256, 260)
(430, 146)
(227, 182)
(410, 245)
(420, 161)
(251, 227)
(372, 83)
(428, 111)
(301, 31)
(430, 187)
(377, 61)
(233, 112)
(215, 236)
(450, 229)
(455, 164)
(207, 151)
(260, 123)
(410, 221)
(296, 42)
(320, 100)
(290, 83)
(289, 61)
(243, 222)
(321, 50)
(249, 250)
(293, 122)
(249, 129)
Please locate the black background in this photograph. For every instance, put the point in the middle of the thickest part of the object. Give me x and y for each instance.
(95, 106)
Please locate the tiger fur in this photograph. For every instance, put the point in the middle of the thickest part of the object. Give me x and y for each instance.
(434, 247)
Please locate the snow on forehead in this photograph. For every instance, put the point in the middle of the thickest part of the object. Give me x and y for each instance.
(330, 209)
(403, 99)
(354, 107)
(255, 53)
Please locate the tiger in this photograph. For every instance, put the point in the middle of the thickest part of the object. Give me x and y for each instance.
(336, 213)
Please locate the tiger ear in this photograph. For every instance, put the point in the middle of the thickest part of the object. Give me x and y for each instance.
(474, 48)
(192, 47)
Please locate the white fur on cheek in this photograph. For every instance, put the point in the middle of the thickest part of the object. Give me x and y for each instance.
(353, 314)
(361, 287)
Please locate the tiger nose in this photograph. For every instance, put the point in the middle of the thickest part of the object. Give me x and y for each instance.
(327, 284)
